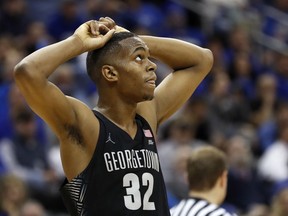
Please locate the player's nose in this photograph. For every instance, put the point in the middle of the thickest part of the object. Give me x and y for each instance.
(151, 66)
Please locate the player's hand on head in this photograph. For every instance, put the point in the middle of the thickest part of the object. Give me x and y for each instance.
(108, 22)
(120, 29)
(94, 34)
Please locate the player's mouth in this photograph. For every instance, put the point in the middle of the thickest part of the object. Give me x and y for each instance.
(152, 81)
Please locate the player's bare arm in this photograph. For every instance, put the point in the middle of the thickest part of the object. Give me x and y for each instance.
(69, 118)
(190, 64)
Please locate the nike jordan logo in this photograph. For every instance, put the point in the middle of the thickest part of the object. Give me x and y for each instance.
(109, 139)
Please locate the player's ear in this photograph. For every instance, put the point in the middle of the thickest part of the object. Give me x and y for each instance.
(109, 73)
(223, 179)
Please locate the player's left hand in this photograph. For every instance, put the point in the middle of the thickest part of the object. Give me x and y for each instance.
(95, 34)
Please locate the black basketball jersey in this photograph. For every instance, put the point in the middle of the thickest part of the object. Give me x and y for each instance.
(123, 177)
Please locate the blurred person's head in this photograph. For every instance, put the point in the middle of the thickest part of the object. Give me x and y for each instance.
(16, 99)
(207, 174)
(259, 210)
(93, 7)
(13, 192)
(69, 9)
(240, 39)
(241, 66)
(239, 153)
(14, 7)
(11, 58)
(24, 123)
(36, 37)
(32, 208)
(220, 86)
(182, 130)
(197, 108)
(216, 46)
(64, 78)
(266, 85)
(176, 17)
(6, 43)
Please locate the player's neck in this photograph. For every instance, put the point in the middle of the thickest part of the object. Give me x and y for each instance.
(122, 115)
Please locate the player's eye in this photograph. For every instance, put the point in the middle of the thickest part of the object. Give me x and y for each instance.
(139, 58)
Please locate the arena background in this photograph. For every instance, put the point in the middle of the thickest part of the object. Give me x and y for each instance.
(241, 107)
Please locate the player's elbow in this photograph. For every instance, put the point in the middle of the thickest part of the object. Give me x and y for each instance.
(21, 71)
(207, 60)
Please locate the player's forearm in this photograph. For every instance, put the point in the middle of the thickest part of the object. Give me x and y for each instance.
(178, 54)
(43, 62)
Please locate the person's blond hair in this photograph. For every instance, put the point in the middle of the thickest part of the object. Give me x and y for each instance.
(205, 165)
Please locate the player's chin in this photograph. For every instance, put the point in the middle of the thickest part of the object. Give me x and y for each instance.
(148, 97)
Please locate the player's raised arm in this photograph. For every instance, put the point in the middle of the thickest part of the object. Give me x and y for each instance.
(31, 74)
(190, 64)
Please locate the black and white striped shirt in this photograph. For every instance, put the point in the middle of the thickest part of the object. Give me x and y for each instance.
(198, 207)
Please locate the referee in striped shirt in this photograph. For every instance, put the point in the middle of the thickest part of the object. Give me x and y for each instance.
(207, 176)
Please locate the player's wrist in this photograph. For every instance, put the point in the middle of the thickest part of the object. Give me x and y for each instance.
(77, 43)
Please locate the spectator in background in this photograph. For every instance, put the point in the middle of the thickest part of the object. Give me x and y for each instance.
(263, 109)
(6, 44)
(227, 110)
(207, 169)
(19, 35)
(32, 208)
(181, 134)
(196, 111)
(25, 157)
(244, 190)
(14, 18)
(11, 102)
(273, 163)
(142, 15)
(177, 25)
(13, 195)
(91, 9)
(36, 37)
(69, 82)
(242, 74)
(65, 21)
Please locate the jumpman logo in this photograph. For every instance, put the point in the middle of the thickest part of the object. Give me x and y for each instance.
(109, 139)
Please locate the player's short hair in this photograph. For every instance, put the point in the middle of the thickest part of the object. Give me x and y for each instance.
(108, 53)
(205, 165)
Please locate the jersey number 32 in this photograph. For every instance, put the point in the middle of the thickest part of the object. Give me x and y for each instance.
(132, 199)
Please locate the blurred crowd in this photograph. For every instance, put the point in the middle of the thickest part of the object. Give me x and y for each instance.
(241, 107)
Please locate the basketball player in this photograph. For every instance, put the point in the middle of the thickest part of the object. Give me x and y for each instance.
(207, 177)
(109, 153)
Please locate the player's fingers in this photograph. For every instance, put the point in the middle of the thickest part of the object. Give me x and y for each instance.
(111, 21)
(108, 22)
(108, 35)
(94, 26)
(103, 29)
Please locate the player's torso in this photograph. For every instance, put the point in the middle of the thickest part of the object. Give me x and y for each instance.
(123, 177)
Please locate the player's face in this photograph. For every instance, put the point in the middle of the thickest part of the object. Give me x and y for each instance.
(136, 71)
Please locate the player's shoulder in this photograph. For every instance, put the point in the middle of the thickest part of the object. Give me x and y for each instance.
(147, 110)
